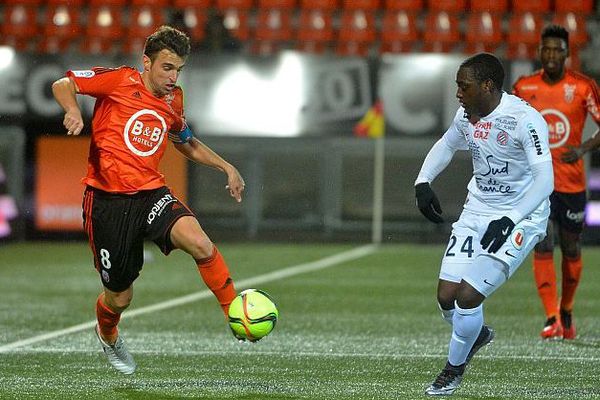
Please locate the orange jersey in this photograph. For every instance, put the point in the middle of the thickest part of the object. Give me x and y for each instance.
(129, 129)
(564, 106)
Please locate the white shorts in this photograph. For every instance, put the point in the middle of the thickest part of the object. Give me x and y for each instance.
(464, 247)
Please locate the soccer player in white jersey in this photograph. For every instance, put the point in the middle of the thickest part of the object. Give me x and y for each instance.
(506, 210)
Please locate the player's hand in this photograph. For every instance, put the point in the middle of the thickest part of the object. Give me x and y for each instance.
(428, 203)
(571, 155)
(496, 234)
(73, 122)
(235, 184)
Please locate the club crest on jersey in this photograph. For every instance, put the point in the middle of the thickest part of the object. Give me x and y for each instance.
(144, 132)
(569, 92)
(517, 238)
(502, 138)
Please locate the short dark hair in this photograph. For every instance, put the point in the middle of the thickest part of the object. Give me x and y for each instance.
(556, 31)
(167, 37)
(486, 66)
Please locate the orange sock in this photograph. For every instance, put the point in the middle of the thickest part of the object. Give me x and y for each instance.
(545, 279)
(571, 271)
(107, 320)
(215, 274)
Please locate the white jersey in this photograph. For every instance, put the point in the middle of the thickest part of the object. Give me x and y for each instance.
(504, 145)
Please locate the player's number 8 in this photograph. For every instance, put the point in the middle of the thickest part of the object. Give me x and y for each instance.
(104, 258)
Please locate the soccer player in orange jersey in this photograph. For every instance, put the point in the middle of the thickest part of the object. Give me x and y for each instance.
(126, 200)
(564, 97)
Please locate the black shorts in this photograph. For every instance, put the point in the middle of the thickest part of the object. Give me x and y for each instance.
(117, 226)
(568, 210)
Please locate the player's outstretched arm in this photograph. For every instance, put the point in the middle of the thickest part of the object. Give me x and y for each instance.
(575, 153)
(198, 152)
(64, 91)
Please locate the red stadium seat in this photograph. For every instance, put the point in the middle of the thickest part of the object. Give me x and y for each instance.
(315, 30)
(534, 6)
(199, 4)
(115, 3)
(319, 4)
(441, 32)
(404, 5)
(360, 4)
(576, 6)
(576, 25)
(235, 4)
(357, 32)
(524, 35)
(61, 27)
(236, 21)
(399, 32)
(273, 29)
(19, 27)
(150, 3)
(143, 21)
(70, 3)
(22, 2)
(497, 6)
(104, 27)
(484, 33)
(192, 20)
(269, 4)
(449, 6)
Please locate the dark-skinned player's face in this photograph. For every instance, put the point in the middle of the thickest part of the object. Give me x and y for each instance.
(469, 92)
(553, 54)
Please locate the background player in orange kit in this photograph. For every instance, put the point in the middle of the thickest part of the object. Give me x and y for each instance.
(126, 200)
(564, 98)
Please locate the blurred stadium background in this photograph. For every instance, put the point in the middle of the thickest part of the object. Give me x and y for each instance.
(282, 107)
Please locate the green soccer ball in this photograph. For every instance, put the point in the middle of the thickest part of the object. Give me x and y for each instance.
(252, 315)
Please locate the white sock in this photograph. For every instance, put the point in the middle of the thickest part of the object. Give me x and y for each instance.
(466, 326)
(447, 314)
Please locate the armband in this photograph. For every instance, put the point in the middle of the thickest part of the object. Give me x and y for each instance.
(182, 137)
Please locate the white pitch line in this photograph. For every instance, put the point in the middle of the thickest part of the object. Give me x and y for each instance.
(327, 354)
(323, 263)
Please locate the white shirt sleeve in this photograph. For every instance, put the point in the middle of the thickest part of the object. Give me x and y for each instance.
(441, 153)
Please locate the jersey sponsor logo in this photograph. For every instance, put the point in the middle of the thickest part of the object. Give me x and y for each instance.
(159, 207)
(592, 106)
(559, 127)
(575, 216)
(144, 132)
(84, 73)
(517, 238)
(502, 138)
(569, 92)
(488, 182)
(482, 130)
(536, 139)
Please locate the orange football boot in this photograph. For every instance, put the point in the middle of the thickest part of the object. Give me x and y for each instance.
(552, 329)
(566, 319)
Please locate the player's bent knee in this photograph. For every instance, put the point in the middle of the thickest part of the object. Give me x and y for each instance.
(468, 297)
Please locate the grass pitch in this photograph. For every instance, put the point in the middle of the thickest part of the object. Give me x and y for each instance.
(368, 328)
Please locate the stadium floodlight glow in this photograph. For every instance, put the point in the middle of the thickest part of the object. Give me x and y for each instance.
(262, 104)
(7, 55)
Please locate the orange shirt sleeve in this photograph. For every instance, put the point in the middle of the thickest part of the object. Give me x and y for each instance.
(98, 81)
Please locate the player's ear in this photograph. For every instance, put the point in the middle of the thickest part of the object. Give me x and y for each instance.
(147, 63)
